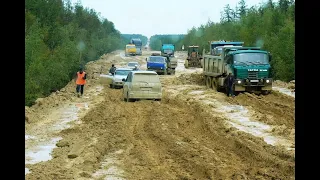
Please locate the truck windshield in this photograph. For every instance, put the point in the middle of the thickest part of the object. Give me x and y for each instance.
(167, 51)
(156, 59)
(131, 47)
(218, 51)
(251, 58)
(136, 42)
(122, 72)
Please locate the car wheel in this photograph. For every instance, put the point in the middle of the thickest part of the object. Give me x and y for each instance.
(124, 97)
(128, 99)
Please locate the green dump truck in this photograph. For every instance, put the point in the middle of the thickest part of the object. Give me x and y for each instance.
(249, 65)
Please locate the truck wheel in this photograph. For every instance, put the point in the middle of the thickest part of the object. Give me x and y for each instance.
(186, 64)
(111, 86)
(215, 85)
(266, 92)
(165, 72)
(208, 82)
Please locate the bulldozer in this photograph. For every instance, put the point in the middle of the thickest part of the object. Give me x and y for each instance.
(194, 58)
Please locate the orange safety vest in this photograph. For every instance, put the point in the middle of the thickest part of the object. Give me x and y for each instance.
(81, 81)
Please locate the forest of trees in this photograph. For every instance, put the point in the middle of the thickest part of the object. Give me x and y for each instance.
(157, 40)
(59, 38)
(127, 37)
(270, 26)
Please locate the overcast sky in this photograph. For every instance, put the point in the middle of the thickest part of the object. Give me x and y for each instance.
(150, 17)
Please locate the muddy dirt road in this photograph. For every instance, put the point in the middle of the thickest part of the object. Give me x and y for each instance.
(193, 133)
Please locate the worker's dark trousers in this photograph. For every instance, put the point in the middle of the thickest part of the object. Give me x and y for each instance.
(80, 88)
(230, 91)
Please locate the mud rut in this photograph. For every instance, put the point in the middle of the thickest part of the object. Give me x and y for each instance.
(184, 136)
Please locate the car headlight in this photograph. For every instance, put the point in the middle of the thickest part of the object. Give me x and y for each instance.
(267, 81)
(239, 82)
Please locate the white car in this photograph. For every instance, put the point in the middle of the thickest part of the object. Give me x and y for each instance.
(142, 85)
(116, 80)
(131, 65)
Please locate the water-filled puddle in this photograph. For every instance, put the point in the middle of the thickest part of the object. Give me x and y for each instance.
(29, 137)
(110, 168)
(196, 92)
(41, 152)
(239, 118)
(26, 171)
(284, 91)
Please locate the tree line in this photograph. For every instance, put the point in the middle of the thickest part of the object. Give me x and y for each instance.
(59, 38)
(127, 37)
(157, 40)
(270, 26)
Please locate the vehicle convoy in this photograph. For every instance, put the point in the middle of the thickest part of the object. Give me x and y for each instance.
(167, 50)
(160, 64)
(216, 48)
(249, 65)
(131, 65)
(130, 50)
(115, 81)
(142, 85)
(194, 58)
(138, 43)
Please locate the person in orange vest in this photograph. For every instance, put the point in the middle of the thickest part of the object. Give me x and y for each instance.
(81, 81)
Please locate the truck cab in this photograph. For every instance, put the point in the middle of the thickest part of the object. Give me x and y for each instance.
(250, 67)
(167, 50)
(130, 50)
(216, 48)
(217, 45)
(138, 43)
(157, 64)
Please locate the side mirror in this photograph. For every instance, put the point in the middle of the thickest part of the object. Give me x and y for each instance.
(110, 74)
(123, 79)
(270, 57)
(146, 59)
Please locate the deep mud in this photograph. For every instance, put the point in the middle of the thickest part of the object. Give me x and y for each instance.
(181, 137)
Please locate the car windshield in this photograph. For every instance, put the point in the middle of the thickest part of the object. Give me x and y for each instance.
(251, 58)
(132, 64)
(122, 72)
(156, 59)
(149, 78)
